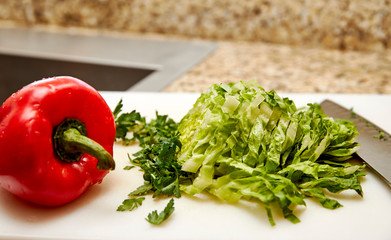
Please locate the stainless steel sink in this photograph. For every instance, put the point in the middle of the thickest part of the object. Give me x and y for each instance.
(107, 63)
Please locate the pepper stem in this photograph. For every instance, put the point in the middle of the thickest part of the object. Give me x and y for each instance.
(70, 142)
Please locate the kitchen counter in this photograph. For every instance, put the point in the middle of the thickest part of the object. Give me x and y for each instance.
(284, 68)
(291, 69)
(337, 46)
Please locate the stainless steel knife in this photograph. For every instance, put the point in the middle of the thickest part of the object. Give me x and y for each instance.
(375, 143)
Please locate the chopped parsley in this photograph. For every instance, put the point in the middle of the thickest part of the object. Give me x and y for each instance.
(381, 136)
(159, 144)
(158, 218)
(130, 204)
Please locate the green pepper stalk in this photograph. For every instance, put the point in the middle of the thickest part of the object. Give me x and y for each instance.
(70, 141)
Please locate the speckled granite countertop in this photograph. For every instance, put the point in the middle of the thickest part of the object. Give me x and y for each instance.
(341, 24)
(291, 69)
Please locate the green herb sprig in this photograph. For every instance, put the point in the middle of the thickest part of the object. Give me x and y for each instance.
(157, 218)
(159, 142)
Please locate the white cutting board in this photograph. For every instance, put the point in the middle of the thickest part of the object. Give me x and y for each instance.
(94, 215)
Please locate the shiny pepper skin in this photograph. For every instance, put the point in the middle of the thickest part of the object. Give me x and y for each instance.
(29, 165)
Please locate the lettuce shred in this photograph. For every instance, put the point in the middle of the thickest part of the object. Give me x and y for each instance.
(244, 143)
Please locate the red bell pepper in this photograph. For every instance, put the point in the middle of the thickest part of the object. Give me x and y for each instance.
(56, 140)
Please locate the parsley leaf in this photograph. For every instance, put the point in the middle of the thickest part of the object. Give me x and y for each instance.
(126, 122)
(155, 218)
(128, 167)
(130, 204)
(142, 190)
(159, 140)
(117, 108)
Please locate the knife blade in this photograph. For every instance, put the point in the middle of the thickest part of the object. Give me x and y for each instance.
(375, 143)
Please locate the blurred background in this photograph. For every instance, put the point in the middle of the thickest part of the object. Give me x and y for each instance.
(325, 46)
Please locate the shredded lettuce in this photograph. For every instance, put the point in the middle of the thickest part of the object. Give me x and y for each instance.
(243, 142)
